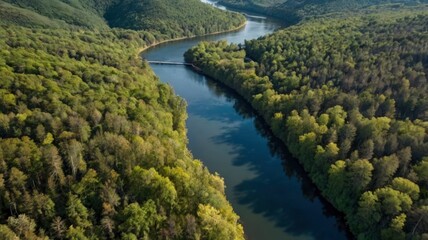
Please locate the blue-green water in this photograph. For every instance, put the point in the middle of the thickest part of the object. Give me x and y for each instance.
(266, 186)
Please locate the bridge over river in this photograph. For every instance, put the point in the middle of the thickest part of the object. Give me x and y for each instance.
(170, 63)
(176, 63)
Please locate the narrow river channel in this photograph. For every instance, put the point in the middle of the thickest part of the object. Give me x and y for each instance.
(266, 186)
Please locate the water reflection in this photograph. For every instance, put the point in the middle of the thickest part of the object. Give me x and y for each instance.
(286, 208)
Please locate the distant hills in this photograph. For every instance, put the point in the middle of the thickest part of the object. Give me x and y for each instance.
(85, 13)
(179, 17)
(169, 17)
(295, 10)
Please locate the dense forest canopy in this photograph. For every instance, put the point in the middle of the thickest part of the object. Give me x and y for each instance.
(295, 10)
(92, 145)
(348, 95)
(171, 18)
(83, 13)
(176, 17)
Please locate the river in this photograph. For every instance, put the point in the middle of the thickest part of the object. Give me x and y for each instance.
(265, 185)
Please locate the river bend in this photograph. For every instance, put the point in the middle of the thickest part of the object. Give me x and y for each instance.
(266, 187)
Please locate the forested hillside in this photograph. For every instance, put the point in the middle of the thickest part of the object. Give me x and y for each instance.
(295, 10)
(83, 13)
(167, 18)
(349, 98)
(172, 17)
(92, 145)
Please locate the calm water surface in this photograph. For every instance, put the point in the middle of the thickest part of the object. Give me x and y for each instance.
(266, 187)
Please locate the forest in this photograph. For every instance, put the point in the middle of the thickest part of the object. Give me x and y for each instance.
(92, 144)
(348, 96)
(160, 18)
(177, 18)
(294, 11)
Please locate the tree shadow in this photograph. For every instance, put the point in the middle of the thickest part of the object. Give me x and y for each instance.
(280, 189)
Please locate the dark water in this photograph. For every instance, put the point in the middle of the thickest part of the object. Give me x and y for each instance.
(266, 186)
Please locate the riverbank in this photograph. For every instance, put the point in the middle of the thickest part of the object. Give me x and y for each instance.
(142, 49)
(264, 11)
(248, 98)
(264, 185)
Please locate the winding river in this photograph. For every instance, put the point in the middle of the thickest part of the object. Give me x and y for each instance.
(265, 185)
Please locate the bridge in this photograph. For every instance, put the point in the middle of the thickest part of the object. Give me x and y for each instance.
(170, 63)
(176, 63)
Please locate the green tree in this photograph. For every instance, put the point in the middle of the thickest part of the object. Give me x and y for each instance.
(7, 234)
(139, 220)
(406, 186)
(144, 183)
(77, 212)
(214, 226)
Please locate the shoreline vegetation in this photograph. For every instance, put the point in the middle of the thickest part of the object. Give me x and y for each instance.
(142, 49)
(368, 160)
(277, 12)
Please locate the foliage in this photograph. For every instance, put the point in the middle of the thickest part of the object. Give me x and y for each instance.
(293, 11)
(55, 13)
(166, 18)
(174, 18)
